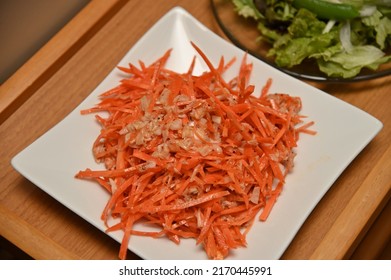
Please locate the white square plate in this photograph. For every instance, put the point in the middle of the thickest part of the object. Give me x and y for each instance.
(52, 161)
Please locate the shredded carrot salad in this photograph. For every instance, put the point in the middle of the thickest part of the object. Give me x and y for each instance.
(196, 156)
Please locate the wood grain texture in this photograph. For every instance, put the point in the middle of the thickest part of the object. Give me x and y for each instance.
(343, 235)
(39, 245)
(374, 244)
(37, 70)
(28, 208)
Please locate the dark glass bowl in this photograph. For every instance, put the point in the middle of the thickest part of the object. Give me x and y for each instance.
(244, 34)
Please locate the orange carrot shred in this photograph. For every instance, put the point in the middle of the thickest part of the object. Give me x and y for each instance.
(195, 156)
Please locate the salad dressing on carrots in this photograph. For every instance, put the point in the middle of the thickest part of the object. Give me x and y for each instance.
(195, 156)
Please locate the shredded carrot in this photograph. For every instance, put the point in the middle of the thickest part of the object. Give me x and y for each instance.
(193, 156)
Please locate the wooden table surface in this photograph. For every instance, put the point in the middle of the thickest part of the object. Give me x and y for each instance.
(55, 80)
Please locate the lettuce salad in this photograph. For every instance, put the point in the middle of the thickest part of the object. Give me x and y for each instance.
(342, 36)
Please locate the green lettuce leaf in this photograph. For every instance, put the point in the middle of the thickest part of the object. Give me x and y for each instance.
(279, 11)
(382, 26)
(336, 62)
(247, 9)
(296, 50)
(304, 38)
(297, 35)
